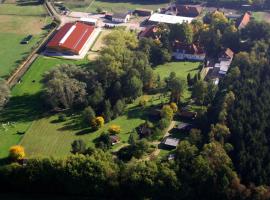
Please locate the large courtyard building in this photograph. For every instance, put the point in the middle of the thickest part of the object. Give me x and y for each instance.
(72, 38)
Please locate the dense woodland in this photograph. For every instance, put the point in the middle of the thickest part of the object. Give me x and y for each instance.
(225, 158)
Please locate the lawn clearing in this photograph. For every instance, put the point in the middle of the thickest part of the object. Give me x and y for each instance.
(114, 6)
(180, 68)
(17, 22)
(261, 16)
(25, 105)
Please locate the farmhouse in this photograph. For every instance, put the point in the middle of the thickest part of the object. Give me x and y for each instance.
(149, 32)
(143, 12)
(168, 19)
(188, 52)
(243, 20)
(120, 17)
(71, 38)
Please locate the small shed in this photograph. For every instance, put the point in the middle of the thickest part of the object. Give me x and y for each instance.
(108, 16)
(121, 17)
(88, 20)
(114, 139)
(170, 142)
(143, 12)
(184, 126)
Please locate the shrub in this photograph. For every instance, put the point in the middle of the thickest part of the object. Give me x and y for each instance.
(78, 146)
(62, 117)
(98, 122)
(114, 129)
(174, 107)
(16, 152)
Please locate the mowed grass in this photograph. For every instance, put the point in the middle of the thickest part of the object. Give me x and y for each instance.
(115, 6)
(17, 22)
(44, 134)
(25, 105)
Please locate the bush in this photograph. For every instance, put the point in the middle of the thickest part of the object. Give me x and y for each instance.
(78, 146)
(62, 117)
(163, 123)
(114, 129)
(98, 122)
(16, 152)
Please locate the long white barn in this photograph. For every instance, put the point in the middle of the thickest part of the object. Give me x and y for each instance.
(169, 19)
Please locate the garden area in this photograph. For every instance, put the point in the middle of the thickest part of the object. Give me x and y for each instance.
(16, 23)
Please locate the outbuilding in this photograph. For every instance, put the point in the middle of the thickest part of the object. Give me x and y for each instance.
(120, 17)
(89, 21)
(168, 19)
(170, 142)
(143, 12)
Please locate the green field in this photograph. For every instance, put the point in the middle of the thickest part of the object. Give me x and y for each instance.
(261, 16)
(25, 105)
(43, 135)
(114, 5)
(16, 22)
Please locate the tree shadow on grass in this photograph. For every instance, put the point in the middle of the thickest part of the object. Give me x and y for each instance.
(23, 108)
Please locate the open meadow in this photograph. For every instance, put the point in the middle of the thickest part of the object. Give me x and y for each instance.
(17, 22)
(115, 6)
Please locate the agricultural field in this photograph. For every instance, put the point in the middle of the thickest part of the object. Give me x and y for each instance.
(114, 5)
(17, 22)
(43, 134)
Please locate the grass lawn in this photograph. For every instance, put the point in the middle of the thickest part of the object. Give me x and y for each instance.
(261, 16)
(25, 105)
(16, 22)
(114, 5)
(42, 135)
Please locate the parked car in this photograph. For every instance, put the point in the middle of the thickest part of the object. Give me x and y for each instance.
(27, 39)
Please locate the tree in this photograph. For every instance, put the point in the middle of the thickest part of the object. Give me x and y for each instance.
(103, 141)
(107, 110)
(63, 89)
(98, 122)
(118, 108)
(16, 152)
(181, 32)
(167, 112)
(195, 137)
(114, 129)
(78, 146)
(199, 92)
(4, 94)
(174, 107)
(134, 87)
(88, 115)
(177, 87)
(97, 97)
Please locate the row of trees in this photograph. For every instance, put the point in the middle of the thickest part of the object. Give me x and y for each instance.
(205, 174)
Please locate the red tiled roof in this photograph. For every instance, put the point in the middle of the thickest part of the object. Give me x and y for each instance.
(72, 37)
(188, 11)
(244, 20)
(149, 32)
(189, 49)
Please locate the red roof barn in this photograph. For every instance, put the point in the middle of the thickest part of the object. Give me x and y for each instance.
(71, 38)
